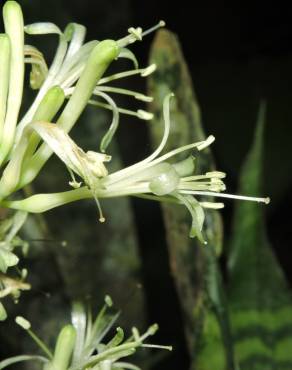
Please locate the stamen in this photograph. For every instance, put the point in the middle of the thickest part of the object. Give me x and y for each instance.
(160, 24)
(144, 72)
(149, 70)
(231, 196)
(168, 348)
(212, 205)
(210, 139)
(140, 113)
(118, 90)
(216, 174)
(208, 175)
(136, 34)
(21, 321)
(202, 185)
(101, 216)
(151, 331)
(74, 183)
(144, 98)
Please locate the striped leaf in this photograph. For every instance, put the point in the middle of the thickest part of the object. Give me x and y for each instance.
(194, 266)
(259, 298)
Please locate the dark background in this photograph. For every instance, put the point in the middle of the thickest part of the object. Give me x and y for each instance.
(238, 53)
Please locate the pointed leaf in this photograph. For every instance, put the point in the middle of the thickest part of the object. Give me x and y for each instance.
(259, 299)
(172, 76)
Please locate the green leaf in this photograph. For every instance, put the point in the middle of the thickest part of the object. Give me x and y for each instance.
(259, 298)
(191, 259)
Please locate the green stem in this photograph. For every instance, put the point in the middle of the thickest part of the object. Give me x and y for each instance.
(13, 22)
(40, 343)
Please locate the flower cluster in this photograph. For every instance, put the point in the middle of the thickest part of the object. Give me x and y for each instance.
(74, 79)
(76, 74)
(83, 345)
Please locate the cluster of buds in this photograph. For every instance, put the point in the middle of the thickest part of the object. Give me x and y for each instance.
(76, 73)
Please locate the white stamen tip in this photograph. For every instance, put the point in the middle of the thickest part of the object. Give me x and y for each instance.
(75, 184)
(101, 219)
(267, 200)
(148, 70)
(210, 139)
(144, 115)
(143, 97)
(154, 28)
(212, 205)
(168, 348)
(216, 174)
(21, 321)
(230, 196)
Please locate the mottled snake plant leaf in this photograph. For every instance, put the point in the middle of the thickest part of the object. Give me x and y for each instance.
(194, 266)
(259, 299)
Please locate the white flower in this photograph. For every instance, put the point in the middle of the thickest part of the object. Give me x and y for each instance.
(153, 177)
